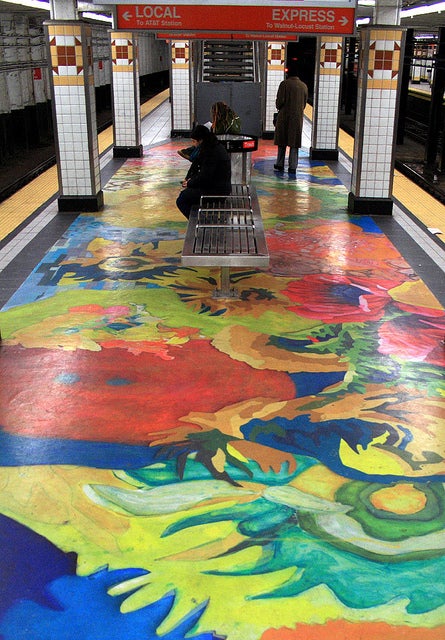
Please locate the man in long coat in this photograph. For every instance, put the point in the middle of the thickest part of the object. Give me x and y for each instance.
(290, 102)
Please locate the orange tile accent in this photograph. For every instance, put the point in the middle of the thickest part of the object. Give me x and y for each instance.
(68, 81)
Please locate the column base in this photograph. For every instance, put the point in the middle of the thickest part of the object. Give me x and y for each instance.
(128, 152)
(369, 206)
(323, 154)
(80, 204)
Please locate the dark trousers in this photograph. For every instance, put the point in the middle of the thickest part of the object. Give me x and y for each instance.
(186, 199)
(293, 158)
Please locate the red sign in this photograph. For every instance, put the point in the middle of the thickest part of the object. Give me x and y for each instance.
(37, 73)
(263, 19)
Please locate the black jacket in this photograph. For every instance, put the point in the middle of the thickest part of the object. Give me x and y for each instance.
(211, 171)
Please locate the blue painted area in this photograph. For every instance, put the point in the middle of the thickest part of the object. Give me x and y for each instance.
(118, 382)
(309, 384)
(29, 564)
(18, 450)
(85, 611)
(321, 440)
(42, 282)
(266, 167)
(67, 378)
(366, 223)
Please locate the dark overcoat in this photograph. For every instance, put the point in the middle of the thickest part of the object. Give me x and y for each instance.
(211, 171)
(291, 101)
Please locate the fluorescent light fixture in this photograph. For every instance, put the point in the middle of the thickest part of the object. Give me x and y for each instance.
(32, 4)
(44, 5)
(419, 11)
(366, 3)
(362, 21)
(96, 16)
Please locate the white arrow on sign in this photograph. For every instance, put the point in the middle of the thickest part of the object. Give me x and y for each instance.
(343, 21)
(127, 15)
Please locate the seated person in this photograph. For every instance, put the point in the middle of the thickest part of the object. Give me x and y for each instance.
(224, 120)
(210, 172)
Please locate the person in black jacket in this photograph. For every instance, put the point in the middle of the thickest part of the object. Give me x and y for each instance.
(210, 172)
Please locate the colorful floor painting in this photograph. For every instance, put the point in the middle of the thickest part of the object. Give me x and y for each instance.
(177, 466)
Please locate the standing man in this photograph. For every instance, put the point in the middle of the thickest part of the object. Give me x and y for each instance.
(291, 101)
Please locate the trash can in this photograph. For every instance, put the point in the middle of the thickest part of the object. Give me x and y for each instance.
(240, 148)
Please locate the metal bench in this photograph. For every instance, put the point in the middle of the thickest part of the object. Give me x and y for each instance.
(226, 231)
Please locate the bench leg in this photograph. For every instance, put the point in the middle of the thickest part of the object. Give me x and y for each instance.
(225, 291)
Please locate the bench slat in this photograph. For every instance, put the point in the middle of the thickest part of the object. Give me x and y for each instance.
(226, 231)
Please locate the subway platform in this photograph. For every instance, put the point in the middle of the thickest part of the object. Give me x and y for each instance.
(178, 466)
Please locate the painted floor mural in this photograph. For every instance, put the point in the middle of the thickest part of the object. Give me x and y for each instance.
(174, 466)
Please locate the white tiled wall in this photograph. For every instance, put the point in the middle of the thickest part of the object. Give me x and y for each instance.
(75, 108)
(181, 99)
(125, 75)
(327, 93)
(72, 130)
(276, 55)
(124, 111)
(379, 79)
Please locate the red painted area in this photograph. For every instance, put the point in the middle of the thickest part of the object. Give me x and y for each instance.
(342, 629)
(115, 396)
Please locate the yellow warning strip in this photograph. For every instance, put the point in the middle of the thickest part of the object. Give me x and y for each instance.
(22, 204)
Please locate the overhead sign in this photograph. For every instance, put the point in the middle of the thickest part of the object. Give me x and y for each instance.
(301, 17)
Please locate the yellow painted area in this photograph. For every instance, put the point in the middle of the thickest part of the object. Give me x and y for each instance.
(102, 537)
(373, 460)
(402, 499)
(416, 294)
(319, 481)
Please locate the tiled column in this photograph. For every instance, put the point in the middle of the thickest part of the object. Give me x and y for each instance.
(126, 101)
(276, 56)
(327, 98)
(181, 86)
(379, 81)
(74, 111)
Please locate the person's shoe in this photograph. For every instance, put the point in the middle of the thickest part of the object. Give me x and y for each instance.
(292, 172)
(278, 167)
(183, 153)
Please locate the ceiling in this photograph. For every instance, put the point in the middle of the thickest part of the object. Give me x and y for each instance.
(430, 21)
